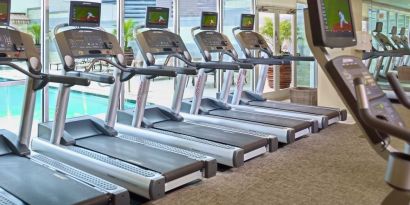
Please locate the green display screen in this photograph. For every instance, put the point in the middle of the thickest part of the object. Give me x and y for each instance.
(338, 17)
(247, 22)
(159, 18)
(86, 14)
(209, 21)
(4, 11)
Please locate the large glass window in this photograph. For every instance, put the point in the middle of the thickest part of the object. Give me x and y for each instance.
(25, 15)
(91, 100)
(161, 89)
(190, 16)
(392, 20)
(382, 17)
(231, 18)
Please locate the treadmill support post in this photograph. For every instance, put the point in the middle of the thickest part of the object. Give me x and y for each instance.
(141, 102)
(263, 75)
(226, 87)
(28, 113)
(60, 114)
(114, 99)
(239, 87)
(199, 92)
(179, 93)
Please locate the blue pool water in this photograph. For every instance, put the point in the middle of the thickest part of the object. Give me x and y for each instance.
(81, 103)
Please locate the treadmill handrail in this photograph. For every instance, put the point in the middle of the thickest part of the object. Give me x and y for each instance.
(46, 78)
(398, 89)
(369, 119)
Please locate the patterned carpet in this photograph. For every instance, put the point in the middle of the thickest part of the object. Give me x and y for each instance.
(336, 166)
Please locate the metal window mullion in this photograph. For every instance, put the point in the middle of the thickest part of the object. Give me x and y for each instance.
(121, 39)
(44, 18)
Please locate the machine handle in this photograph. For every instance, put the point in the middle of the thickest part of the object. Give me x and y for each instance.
(374, 122)
(68, 80)
(247, 66)
(218, 65)
(179, 70)
(393, 79)
(100, 78)
(264, 61)
(156, 71)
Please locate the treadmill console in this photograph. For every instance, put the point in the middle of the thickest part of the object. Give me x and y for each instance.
(342, 70)
(15, 45)
(86, 43)
(382, 39)
(160, 42)
(251, 41)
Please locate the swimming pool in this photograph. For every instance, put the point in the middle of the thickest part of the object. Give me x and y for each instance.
(81, 103)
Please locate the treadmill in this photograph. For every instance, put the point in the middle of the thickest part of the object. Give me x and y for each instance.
(402, 45)
(368, 104)
(391, 53)
(230, 147)
(253, 43)
(28, 177)
(211, 42)
(405, 41)
(145, 168)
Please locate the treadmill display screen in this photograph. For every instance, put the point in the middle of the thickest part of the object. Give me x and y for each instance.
(157, 17)
(85, 14)
(247, 22)
(209, 21)
(337, 17)
(4, 12)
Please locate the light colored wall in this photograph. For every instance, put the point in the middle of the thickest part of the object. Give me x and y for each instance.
(327, 95)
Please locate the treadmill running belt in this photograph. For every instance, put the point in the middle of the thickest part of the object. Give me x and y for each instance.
(35, 184)
(171, 166)
(297, 125)
(246, 142)
(295, 107)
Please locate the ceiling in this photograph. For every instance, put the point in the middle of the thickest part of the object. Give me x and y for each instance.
(404, 4)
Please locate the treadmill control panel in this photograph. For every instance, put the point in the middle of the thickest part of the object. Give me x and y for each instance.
(160, 42)
(251, 41)
(15, 45)
(213, 41)
(82, 43)
(344, 70)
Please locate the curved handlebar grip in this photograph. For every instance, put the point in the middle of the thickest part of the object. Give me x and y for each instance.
(107, 79)
(180, 70)
(218, 65)
(264, 61)
(371, 120)
(155, 71)
(68, 80)
(398, 89)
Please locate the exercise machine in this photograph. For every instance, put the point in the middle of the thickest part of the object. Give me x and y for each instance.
(253, 45)
(28, 177)
(228, 147)
(210, 42)
(367, 103)
(145, 168)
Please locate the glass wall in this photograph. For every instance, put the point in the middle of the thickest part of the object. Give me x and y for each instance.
(89, 100)
(25, 16)
(161, 89)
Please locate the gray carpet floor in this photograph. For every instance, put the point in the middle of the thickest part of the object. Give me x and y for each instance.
(335, 166)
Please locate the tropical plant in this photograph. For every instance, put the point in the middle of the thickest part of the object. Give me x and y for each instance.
(285, 30)
(35, 30)
(129, 25)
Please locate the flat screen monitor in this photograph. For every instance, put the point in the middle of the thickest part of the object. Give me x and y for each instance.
(332, 23)
(157, 17)
(247, 22)
(379, 27)
(85, 14)
(4, 12)
(209, 21)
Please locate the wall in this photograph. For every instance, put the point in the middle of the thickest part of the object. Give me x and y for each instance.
(327, 95)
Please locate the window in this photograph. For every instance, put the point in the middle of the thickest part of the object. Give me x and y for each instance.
(392, 20)
(91, 100)
(232, 17)
(382, 17)
(25, 15)
(161, 88)
(190, 16)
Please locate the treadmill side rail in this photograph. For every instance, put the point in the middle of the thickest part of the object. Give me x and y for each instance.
(152, 187)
